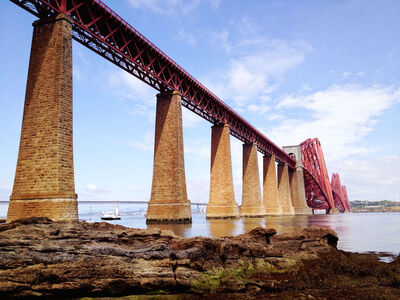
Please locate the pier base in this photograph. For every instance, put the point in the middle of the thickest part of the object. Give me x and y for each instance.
(168, 202)
(44, 179)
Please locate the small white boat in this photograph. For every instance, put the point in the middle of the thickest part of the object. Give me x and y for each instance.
(110, 215)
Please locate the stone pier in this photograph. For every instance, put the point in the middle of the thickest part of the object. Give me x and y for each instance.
(252, 205)
(222, 198)
(296, 180)
(270, 187)
(168, 202)
(284, 190)
(44, 178)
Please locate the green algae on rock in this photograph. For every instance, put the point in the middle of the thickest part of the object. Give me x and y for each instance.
(39, 257)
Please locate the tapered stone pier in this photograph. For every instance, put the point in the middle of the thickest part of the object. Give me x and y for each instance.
(296, 180)
(252, 205)
(284, 190)
(44, 178)
(168, 202)
(222, 198)
(270, 187)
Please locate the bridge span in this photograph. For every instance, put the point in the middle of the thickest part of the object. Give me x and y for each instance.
(295, 178)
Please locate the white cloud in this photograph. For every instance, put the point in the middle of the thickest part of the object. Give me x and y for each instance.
(129, 87)
(258, 109)
(376, 179)
(143, 100)
(342, 117)
(221, 39)
(214, 4)
(250, 76)
(257, 63)
(190, 119)
(199, 148)
(187, 37)
(146, 143)
(141, 95)
(198, 190)
(92, 188)
(172, 7)
(346, 74)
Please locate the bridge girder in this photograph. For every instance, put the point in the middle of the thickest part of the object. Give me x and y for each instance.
(100, 29)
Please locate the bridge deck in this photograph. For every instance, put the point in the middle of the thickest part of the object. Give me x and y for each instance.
(100, 29)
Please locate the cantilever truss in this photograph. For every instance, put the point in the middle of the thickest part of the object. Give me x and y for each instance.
(339, 193)
(316, 179)
(100, 29)
(346, 198)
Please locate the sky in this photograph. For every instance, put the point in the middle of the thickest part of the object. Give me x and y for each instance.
(293, 69)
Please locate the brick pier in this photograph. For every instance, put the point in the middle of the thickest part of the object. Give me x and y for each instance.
(284, 190)
(270, 187)
(169, 202)
(222, 198)
(252, 205)
(44, 178)
(296, 180)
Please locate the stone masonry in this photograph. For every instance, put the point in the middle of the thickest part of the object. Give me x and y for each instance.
(168, 202)
(222, 198)
(296, 180)
(44, 179)
(252, 205)
(284, 190)
(270, 187)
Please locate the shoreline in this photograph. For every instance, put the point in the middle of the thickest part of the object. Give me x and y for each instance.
(42, 258)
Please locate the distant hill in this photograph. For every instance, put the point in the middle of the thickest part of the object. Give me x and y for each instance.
(374, 206)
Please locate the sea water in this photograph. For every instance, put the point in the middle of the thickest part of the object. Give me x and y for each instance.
(358, 232)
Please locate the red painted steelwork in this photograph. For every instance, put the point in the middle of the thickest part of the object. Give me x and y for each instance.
(337, 192)
(100, 29)
(316, 179)
(346, 198)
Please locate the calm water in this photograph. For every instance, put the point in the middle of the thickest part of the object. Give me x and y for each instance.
(367, 232)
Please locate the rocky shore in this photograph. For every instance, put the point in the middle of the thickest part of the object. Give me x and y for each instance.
(42, 258)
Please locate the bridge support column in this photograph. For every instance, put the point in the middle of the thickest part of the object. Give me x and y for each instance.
(252, 205)
(44, 178)
(284, 190)
(222, 198)
(296, 179)
(298, 193)
(270, 187)
(168, 202)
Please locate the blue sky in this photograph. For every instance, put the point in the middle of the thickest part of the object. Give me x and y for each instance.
(294, 69)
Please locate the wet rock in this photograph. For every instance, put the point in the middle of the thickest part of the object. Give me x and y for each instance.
(39, 257)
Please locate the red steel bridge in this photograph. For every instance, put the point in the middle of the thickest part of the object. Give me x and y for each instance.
(320, 193)
(100, 29)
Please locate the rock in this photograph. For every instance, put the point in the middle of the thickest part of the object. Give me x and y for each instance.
(39, 257)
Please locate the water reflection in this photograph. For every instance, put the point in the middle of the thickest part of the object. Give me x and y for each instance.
(358, 232)
(178, 229)
(282, 224)
(222, 227)
(249, 224)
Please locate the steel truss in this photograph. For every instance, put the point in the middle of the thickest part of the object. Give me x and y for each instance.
(316, 179)
(346, 198)
(338, 193)
(100, 29)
